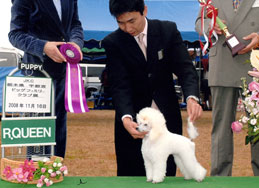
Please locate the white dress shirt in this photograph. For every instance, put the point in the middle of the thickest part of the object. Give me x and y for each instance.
(57, 4)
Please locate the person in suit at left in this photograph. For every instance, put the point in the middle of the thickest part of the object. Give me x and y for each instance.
(38, 27)
(140, 74)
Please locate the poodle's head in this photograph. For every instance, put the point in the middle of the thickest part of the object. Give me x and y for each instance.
(152, 121)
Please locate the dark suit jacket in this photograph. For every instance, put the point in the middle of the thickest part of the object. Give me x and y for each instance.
(135, 81)
(34, 22)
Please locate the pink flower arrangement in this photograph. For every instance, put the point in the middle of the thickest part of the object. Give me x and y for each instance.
(22, 174)
(28, 172)
(250, 120)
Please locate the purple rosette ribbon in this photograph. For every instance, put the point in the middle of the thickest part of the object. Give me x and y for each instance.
(75, 100)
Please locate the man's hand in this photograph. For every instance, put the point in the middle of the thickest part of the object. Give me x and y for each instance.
(131, 126)
(254, 37)
(254, 73)
(194, 109)
(217, 29)
(78, 48)
(52, 51)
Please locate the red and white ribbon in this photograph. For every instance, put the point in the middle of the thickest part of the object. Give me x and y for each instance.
(205, 6)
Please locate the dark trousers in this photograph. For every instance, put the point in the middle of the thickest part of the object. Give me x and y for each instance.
(61, 114)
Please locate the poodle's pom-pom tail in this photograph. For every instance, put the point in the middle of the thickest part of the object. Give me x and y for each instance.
(192, 130)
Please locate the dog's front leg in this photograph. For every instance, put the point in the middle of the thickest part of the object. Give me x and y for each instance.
(159, 170)
(148, 167)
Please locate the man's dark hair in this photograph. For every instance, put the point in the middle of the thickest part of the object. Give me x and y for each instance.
(119, 7)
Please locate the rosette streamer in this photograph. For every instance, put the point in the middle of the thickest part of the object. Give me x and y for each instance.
(75, 100)
(212, 14)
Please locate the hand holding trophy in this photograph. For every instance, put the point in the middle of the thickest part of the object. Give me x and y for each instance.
(231, 40)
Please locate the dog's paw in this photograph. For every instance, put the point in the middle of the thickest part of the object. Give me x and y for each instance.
(155, 182)
(149, 180)
(199, 179)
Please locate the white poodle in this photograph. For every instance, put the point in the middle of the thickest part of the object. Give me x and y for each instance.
(159, 143)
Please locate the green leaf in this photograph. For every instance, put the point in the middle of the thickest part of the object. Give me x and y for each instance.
(254, 133)
(46, 174)
(247, 140)
(255, 139)
(36, 176)
(41, 164)
(58, 176)
(250, 130)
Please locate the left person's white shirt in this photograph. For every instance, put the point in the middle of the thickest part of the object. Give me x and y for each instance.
(57, 4)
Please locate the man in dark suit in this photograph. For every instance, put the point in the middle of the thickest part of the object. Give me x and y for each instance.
(38, 27)
(143, 77)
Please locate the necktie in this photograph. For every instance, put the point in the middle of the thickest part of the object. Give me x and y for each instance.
(144, 50)
(236, 4)
(142, 44)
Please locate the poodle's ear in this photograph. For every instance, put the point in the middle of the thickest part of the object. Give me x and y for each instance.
(155, 133)
(137, 117)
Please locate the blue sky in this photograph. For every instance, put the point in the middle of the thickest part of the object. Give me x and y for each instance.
(94, 14)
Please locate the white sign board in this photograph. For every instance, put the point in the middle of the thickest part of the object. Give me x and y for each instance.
(27, 94)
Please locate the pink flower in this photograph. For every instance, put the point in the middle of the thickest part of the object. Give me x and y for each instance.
(43, 170)
(23, 177)
(48, 184)
(8, 173)
(30, 176)
(40, 183)
(63, 168)
(16, 173)
(53, 174)
(255, 96)
(29, 167)
(237, 126)
(20, 176)
(42, 177)
(253, 86)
